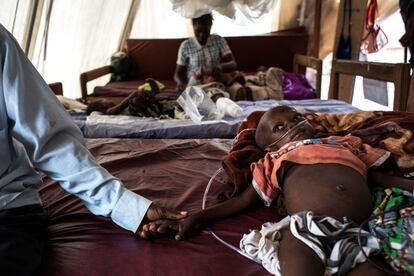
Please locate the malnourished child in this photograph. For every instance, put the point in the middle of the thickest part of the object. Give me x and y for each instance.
(320, 180)
(139, 103)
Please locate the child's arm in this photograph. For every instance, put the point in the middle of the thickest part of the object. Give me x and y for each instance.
(387, 181)
(233, 206)
(121, 106)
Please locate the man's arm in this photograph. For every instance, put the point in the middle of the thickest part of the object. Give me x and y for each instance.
(54, 143)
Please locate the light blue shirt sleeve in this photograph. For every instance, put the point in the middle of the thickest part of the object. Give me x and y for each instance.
(55, 144)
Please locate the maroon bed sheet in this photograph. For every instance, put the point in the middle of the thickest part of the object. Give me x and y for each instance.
(172, 173)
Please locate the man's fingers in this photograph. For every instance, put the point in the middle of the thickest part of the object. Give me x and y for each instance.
(153, 227)
(162, 226)
(157, 213)
(145, 227)
(182, 232)
(144, 234)
(174, 215)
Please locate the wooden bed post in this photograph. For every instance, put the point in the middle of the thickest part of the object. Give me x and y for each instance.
(410, 97)
(317, 27)
(398, 74)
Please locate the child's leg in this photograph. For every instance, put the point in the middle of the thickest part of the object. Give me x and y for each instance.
(367, 268)
(296, 258)
(237, 92)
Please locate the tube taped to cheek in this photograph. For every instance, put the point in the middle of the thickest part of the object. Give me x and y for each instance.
(287, 133)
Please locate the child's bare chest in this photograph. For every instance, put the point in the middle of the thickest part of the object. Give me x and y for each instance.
(326, 189)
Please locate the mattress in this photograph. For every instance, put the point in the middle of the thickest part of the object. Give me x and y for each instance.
(135, 127)
(172, 173)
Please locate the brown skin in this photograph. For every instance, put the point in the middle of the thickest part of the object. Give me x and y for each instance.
(202, 28)
(317, 188)
(156, 213)
(110, 108)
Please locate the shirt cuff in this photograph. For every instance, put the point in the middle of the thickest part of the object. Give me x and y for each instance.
(130, 210)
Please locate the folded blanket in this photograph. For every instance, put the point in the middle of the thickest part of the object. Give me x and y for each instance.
(389, 130)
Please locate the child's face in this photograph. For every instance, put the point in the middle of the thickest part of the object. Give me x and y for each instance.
(283, 126)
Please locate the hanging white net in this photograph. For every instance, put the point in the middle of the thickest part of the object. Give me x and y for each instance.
(250, 9)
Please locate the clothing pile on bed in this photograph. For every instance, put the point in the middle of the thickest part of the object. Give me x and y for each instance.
(267, 83)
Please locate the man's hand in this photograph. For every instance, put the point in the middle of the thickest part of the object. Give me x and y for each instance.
(156, 213)
(181, 227)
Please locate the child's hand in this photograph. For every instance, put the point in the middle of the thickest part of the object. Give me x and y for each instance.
(181, 227)
(157, 213)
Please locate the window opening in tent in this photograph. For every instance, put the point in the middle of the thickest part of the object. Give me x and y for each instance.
(378, 95)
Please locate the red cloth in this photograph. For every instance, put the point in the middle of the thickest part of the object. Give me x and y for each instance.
(172, 173)
(349, 151)
(392, 131)
(243, 153)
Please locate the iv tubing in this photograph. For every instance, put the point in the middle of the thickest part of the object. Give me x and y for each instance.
(203, 206)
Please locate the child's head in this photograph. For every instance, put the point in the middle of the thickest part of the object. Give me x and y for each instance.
(280, 125)
(99, 105)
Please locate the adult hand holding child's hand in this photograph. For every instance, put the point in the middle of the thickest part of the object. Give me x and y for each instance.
(157, 213)
(182, 227)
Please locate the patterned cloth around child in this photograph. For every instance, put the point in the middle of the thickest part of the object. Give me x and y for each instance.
(393, 225)
(335, 241)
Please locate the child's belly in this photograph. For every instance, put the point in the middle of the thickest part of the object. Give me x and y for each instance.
(327, 189)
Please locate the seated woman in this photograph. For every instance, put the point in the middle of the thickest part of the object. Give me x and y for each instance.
(207, 61)
(207, 58)
(320, 181)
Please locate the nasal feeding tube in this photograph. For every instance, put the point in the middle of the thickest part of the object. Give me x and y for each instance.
(287, 133)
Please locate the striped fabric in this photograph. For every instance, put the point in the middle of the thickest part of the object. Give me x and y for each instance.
(344, 253)
(340, 255)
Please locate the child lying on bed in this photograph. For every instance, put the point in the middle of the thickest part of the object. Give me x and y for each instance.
(319, 179)
(138, 103)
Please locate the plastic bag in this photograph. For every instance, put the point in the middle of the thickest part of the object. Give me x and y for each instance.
(197, 105)
(374, 37)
